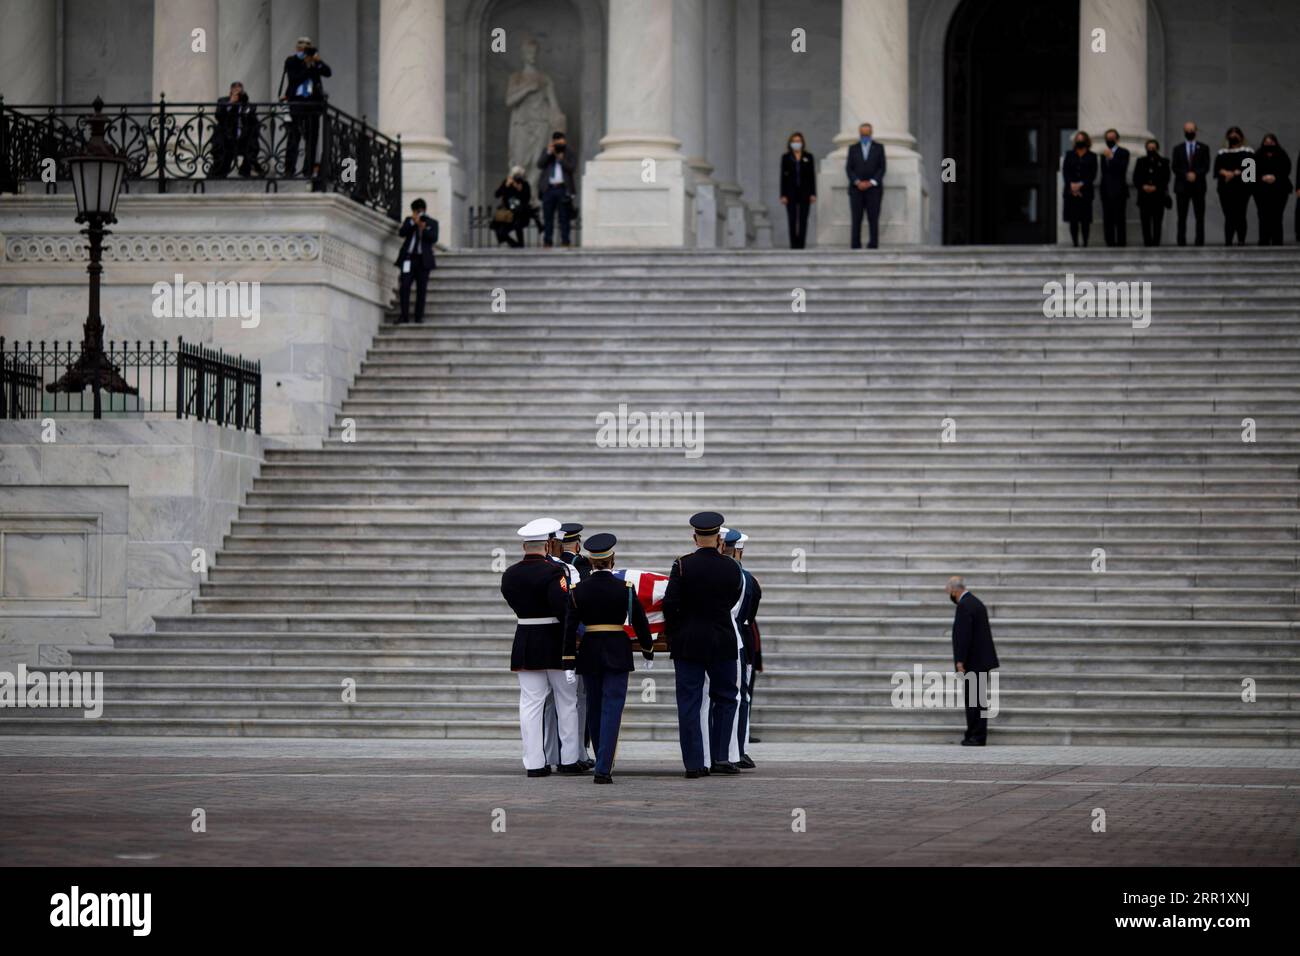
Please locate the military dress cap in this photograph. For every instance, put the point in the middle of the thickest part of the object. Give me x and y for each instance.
(707, 522)
(732, 536)
(601, 545)
(571, 530)
(743, 538)
(539, 529)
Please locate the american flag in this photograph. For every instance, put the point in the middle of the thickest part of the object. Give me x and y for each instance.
(649, 587)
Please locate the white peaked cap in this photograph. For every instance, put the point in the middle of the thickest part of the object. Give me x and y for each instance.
(539, 529)
(743, 538)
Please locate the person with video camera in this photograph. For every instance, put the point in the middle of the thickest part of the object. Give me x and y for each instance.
(235, 135)
(301, 88)
(555, 186)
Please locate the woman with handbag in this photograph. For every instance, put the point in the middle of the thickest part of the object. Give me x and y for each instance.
(515, 209)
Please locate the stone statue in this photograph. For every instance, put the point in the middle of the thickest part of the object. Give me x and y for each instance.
(534, 111)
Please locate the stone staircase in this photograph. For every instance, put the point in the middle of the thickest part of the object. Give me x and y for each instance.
(374, 559)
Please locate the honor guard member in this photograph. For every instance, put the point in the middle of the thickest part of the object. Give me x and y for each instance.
(543, 654)
(603, 604)
(746, 621)
(571, 543)
(550, 733)
(703, 587)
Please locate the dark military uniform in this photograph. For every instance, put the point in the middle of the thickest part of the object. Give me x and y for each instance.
(603, 603)
(703, 588)
(753, 658)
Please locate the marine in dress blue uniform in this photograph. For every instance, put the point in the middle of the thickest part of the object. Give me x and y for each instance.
(543, 654)
(746, 620)
(703, 588)
(603, 604)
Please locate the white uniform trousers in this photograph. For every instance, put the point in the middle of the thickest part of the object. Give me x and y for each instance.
(533, 686)
(734, 750)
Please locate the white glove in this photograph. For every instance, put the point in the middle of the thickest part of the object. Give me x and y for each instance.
(650, 664)
(570, 676)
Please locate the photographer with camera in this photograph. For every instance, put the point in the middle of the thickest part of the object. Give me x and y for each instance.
(419, 234)
(301, 88)
(555, 186)
(235, 135)
(515, 210)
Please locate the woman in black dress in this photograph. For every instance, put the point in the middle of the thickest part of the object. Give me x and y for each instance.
(798, 188)
(1151, 180)
(1273, 189)
(1079, 168)
(1234, 191)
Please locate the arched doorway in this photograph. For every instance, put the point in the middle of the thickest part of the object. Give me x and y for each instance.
(1010, 107)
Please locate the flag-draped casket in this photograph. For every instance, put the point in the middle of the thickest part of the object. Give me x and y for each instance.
(649, 587)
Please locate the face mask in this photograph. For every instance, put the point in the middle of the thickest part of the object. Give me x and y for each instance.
(1189, 136)
(1151, 152)
(796, 146)
(952, 598)
(1080, 144)
(1111, 143)
(1234, 140)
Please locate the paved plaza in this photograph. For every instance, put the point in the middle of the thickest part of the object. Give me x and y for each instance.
(115, 801)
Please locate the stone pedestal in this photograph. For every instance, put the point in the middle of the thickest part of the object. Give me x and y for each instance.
(873, 89)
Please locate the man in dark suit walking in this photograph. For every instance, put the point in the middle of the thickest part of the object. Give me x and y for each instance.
(972, 653)
(1114, 190)
(416, 258)
(1191, 165)
(865, 167)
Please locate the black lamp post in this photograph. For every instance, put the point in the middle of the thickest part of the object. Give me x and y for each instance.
(96, 178)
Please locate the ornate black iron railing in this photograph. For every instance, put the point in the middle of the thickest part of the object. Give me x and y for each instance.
(481, 233)
(190, 380)
(173, 144)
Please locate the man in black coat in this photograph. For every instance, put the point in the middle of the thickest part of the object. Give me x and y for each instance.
(1151, 179)
(302, 89)
(703, 588)
(602, 605)
(236, 134)
(416, 258)
(556, 189)
(1191, 166)
(1114, 190)
(543, 654)
(865, 168)
(972, 653)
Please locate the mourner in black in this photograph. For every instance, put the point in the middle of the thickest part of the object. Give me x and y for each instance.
(1234, 190)
(703, 588)
(1151, 180)
(1191, 168)
(1079, 170)
(236, 134)
(798, 188)
(972, 653)
(1272, 188)
(416, 258)
(302, 87)
(865, 167)
(543, 654)
(602, 605)
(1114, 191)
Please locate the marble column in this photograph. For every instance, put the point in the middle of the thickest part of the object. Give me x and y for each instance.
(749, 128)
(28, 52)
(1113, 91)
(412, 104)
(339, 46)
(244, 46)
(179, 71)
(634, 192)
(690, 116)
(874, 88)
(720, 126)
(290, 19)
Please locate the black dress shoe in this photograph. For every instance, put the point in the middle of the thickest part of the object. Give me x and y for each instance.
(540, 772)
(746, 762)
(602, 778)
(696, 774)
(754, 740)
(724, 767)
(571, 768)
(587, 764)
(972, 743)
